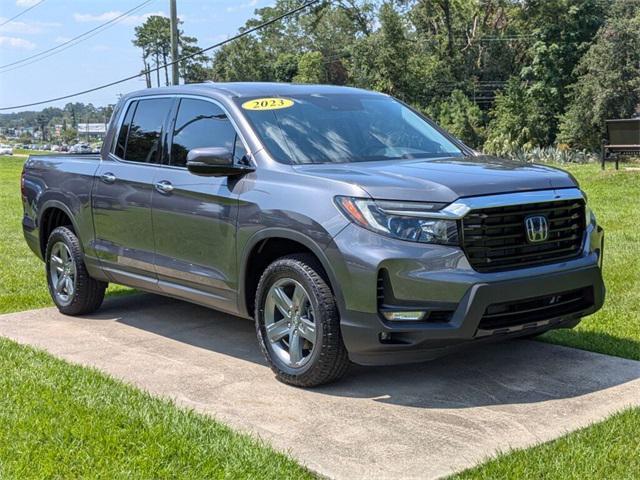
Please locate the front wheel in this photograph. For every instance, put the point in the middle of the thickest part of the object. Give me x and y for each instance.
(72, 289)
(297, 323)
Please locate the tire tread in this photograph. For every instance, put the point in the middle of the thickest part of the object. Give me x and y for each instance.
(333, 362)
(89, 292)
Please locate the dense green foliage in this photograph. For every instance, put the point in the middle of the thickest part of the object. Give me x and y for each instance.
(608, 85)
(501, 74)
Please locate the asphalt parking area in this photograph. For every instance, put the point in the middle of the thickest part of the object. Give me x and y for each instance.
(415, 421)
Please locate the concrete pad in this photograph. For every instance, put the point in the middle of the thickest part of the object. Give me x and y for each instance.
(417, 421)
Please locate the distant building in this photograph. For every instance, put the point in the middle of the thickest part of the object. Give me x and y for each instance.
(95, 130)
(15, 132)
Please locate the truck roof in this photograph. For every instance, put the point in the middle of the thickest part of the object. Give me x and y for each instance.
(251, 89)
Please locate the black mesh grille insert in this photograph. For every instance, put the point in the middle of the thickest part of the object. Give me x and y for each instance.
(495, 239)
(509, 314)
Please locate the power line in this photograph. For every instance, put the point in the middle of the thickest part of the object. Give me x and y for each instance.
(73, 41)
(21, 13)
(151, 70)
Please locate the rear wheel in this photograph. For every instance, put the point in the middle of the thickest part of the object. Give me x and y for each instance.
(72, 289)
(297, 323)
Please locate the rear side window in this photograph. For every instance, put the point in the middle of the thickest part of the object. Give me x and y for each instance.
(144, 130)
(121, 141)
(200, 124)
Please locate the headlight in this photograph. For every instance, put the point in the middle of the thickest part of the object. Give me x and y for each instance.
(403, 220)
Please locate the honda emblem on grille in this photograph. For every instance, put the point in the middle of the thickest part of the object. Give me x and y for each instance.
(537, 227)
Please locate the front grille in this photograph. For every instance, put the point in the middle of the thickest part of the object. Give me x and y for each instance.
(494, 239)
(509, 314)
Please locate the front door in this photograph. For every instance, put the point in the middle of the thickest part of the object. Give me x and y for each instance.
(194, 217)
(122, 195)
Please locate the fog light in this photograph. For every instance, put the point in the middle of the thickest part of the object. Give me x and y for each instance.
(404, 316)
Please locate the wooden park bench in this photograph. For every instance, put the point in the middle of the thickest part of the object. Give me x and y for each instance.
(623, 138)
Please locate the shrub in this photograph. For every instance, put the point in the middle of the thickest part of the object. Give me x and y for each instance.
(552, 155)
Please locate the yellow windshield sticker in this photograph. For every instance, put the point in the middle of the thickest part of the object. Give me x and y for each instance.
(267, 104)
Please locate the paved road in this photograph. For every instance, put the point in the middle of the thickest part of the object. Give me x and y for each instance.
(420, 421)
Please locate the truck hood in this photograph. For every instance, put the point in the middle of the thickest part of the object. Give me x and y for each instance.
(442, 180)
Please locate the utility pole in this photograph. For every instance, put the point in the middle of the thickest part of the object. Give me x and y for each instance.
(173, 13)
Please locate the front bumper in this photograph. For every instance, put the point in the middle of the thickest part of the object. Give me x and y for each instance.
(440, 278)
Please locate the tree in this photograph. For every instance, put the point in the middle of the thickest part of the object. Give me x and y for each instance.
(394, 50)
(561, 32)
(311, 69)
(516, 121)
(154, 39)
(381, 60)
(285, 68)
(273, 52)
(246, 59)
(463, 118)
(608, 84)
(69, 135)
(42, 125)
(192, 68)
(25, 137)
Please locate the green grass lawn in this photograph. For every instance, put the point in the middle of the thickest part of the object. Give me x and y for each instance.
(101, 427)
(606, 450)
(615, 329)
(63, 421)
(22, 151)
(23, 282)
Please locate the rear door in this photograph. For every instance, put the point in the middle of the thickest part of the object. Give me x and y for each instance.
(122, 193)
(194, 217)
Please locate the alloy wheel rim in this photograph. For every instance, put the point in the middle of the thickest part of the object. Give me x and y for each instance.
(290, 324)
(62, 272)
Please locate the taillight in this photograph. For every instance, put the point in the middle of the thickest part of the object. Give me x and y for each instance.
(22, 189)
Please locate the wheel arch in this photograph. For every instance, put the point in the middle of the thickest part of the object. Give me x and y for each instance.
(54, 214)
(252, 265)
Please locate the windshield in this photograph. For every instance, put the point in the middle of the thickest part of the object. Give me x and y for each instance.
(339, 128)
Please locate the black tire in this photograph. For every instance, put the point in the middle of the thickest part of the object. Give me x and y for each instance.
(329, 360)
(88, 293)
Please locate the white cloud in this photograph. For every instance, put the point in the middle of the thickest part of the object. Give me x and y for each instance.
(24, 28)
(15, 42)
(111, 15)
(242, 6)
(62, 39)
(90, 17)
(26, 3)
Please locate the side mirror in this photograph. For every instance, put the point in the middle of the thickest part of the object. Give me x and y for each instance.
(215, 162)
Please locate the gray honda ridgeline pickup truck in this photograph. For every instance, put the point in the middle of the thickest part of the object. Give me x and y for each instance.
(346, 224)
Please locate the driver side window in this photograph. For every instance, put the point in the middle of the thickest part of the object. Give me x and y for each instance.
(200, 123)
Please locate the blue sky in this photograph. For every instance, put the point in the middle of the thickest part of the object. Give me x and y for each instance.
(103, 58)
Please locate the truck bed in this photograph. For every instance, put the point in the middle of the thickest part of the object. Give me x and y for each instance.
(63, 181)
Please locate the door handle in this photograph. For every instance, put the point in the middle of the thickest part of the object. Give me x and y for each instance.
(108, 177)
(164, 186)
